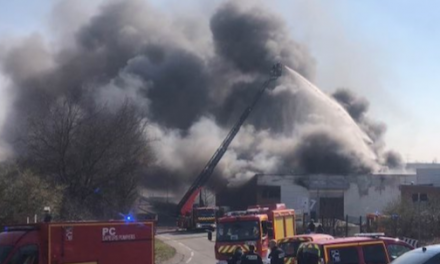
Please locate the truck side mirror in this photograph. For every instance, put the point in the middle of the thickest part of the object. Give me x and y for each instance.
(270, 230)
(270, 233)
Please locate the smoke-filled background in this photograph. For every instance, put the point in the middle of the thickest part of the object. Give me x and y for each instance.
(190, 79)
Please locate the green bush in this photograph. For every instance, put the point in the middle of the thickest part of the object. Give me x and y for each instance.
(23, 195)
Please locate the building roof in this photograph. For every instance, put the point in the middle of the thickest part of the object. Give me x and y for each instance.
(419, 165)
(321, 181)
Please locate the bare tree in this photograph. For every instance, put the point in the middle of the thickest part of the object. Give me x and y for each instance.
(95, 152)
(409, 219)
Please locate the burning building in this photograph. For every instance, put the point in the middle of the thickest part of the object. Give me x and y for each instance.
(334, 196)
(319, 195)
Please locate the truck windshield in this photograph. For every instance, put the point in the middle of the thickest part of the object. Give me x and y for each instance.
(205, 213)
(238, 231)
(290, 248)
(4, 252)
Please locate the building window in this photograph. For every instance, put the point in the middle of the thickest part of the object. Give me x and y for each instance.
(423, 197)
(271, 192)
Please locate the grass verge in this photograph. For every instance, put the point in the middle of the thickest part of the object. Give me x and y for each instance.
(163, 251)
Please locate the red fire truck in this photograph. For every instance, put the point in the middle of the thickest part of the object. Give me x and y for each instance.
(255, 226)
(78, 243)
(200, 218)
(376, 222)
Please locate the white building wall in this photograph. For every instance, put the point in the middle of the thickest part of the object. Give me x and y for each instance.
(296, 197)
(356, 204)
(428, 176)
(378, 191)
(365, 194)
(293, 195)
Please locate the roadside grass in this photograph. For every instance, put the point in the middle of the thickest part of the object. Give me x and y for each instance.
(163, 251)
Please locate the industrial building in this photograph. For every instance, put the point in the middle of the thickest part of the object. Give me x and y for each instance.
(332, 196)
(425, 187)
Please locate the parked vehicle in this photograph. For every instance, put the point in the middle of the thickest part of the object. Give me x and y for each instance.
(362, 249)
(111, 242)
(255, 226)
(423, 255)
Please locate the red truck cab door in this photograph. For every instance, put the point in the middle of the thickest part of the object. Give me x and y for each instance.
(396, 249)
(26, 254)
(266, 233)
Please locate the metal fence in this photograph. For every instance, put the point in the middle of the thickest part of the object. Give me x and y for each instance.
(337, 227)
(342, 227)
(351, 225)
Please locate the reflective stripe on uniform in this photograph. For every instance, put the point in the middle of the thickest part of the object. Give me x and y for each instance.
(289, 261)
(206, 218)
(313, 247)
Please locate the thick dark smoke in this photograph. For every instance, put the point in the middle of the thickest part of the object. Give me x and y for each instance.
(192, 85)
(177, 86)
(252, 38)
(393, 159)
(357, 107)
(325, 151)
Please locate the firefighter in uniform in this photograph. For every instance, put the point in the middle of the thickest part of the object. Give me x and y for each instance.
(251, 257)
(236, 258)
(276, 254)
(308, 254)
(311, 226)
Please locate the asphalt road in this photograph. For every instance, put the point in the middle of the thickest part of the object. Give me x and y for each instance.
(192, 248)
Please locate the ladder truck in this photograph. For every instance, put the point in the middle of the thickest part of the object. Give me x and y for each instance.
(193, 216)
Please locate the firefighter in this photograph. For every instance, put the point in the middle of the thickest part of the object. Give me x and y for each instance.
(47, 215)
(276, 254)
(236, 258)
(251, 257)
(319, 229)
(311, 226)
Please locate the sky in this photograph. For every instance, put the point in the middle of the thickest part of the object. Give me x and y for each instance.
(387, 51)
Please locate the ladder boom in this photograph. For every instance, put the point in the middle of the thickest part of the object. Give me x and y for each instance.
(205, 174)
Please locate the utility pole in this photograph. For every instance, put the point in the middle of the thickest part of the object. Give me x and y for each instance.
(418, 214)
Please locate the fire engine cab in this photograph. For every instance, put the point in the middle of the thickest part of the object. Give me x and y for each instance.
(200, 218)
(255, 226)
(376, 222)
(78, 243)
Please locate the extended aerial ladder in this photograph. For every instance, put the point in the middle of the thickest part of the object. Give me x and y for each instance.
(185, 205)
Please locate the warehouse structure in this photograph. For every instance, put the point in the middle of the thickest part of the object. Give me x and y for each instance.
(329, 196)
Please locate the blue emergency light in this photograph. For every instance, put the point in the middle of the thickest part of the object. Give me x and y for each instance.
(129, 218)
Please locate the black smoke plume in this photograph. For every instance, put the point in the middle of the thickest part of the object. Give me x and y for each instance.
(191, 79)
(357, 107)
